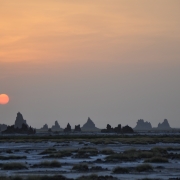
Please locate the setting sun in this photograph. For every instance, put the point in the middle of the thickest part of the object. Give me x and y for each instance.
(4, 98)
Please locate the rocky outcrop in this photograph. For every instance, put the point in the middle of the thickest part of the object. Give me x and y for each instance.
(19, 121)
(20, 127)
(164, 125)
(108, 129)
(56, 127)
(68, 128)
(89, 126)
(3, 127)
(127, 129)
(23, 130)
(77, 128)
(142, 125)
(117, 129)
(44, 128)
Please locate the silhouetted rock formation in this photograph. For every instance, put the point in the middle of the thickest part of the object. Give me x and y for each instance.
(31, 130)
(56, 127)
(9, 130)
(77, 128)
(19, 121)
(127, 129)
(44, 128)
(20, 127)
(164, 125)
(89, 126)
(3, 127)
(68, 128)
(117, 129)
(142, 125)
(108, 129)
(23, 130)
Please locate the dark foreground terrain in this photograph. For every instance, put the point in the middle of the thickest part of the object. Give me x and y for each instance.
(90, 157)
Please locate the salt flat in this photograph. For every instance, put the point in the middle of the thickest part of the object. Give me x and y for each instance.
(92, 155)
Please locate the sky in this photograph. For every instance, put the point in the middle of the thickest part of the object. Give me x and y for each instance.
(115, 61)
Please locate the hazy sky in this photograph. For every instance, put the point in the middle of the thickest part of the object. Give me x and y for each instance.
(114, 60)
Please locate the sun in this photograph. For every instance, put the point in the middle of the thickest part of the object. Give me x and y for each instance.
(4, 99)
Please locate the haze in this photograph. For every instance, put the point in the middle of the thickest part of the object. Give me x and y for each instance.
(115, 61)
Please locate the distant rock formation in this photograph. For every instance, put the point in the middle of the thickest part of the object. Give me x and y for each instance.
(44, 128)
(164, 125)
(89, 126)
(117, 129)
(23, 130)
(3, 127)
(108, 129)
(19, 121)
(19, 127)
(77, 128)
(68, 128)
(56, 127)
(142, 125)
(127, 129)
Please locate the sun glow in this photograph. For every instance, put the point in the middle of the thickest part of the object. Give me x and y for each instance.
(4, 98)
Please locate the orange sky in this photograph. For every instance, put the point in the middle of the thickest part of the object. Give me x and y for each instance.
(68, 30)
(115, 60)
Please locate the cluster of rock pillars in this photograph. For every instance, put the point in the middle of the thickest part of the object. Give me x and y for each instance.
(21, 127)
(142, 125)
